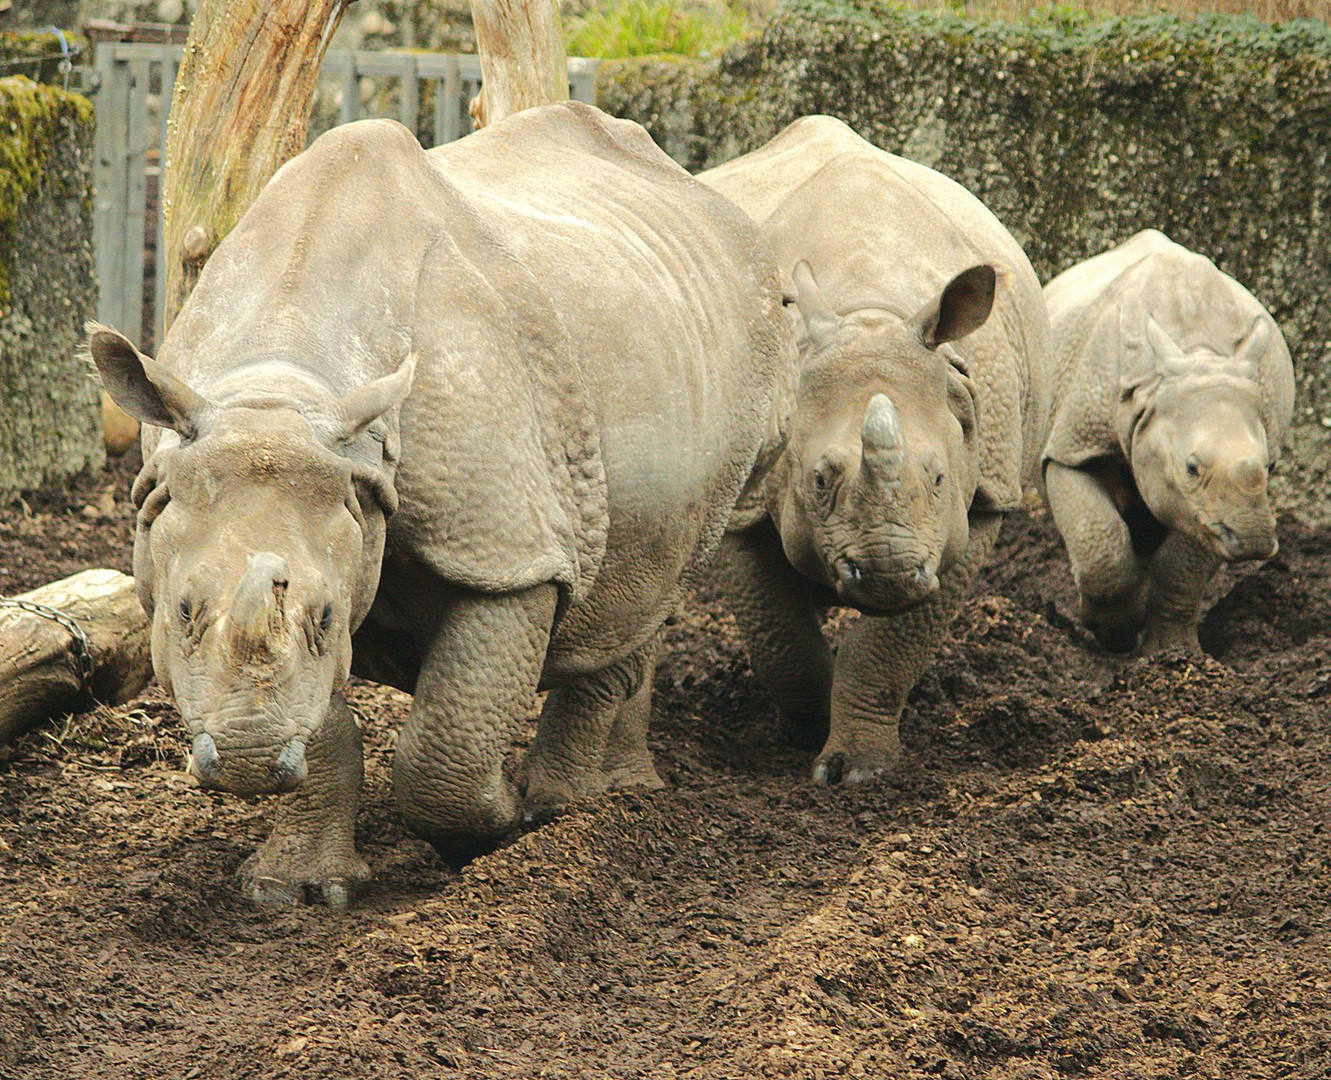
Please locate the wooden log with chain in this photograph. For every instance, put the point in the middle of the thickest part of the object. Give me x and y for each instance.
(64, 645)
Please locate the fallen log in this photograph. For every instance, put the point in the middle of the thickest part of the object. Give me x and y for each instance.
(65, 645)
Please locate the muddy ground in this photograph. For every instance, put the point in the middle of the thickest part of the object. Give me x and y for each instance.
(1087, 868)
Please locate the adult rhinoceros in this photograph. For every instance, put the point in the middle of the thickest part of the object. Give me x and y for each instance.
(469, 421)
(922, 404)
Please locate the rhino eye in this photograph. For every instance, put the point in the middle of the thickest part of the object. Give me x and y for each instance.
(1192, 470)
(938, 480)
(186, 611)
(326, 618)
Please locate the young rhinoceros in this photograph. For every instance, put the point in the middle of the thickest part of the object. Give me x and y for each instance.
(921, 408)
(1174, 390)
(469, 422)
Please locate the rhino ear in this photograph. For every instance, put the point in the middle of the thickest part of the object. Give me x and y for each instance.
(961, 308)
(1169, 358)
(143, 387)
(362, 407)
(1252, 346)
(821, 323)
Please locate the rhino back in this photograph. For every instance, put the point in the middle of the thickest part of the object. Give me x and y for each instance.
(882, 231)
(653, 332)
(1098, 310)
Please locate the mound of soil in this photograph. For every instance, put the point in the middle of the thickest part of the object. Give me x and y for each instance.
(1086, 867)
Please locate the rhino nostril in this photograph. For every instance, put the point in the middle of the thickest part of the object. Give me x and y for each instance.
(204, 762)
(291, 767)
(850, 572)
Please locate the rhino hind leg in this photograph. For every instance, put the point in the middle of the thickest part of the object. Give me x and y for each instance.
(779, 623)
(879, 662)
(1108, 567)
(592, 736)
(1181, 570)
(478, 675)
(310, 856)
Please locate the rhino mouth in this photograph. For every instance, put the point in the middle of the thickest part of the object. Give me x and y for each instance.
(883, 595)
(1235, 546)
(217, 772)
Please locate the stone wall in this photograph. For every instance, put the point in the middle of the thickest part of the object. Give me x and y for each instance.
(1076, 136)
(50, 423)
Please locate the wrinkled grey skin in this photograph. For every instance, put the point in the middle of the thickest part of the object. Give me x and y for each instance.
(468, 422)
(920, 406)
(1174, 391)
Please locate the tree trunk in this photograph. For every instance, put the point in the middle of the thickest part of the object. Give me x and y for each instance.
(521, 45)
(241, 108)
(39, 657)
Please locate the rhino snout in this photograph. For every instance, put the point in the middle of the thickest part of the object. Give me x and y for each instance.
(286, 773)
(885, 595)
(1236, 543)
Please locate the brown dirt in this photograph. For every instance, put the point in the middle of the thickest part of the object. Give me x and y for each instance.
(1087, 867)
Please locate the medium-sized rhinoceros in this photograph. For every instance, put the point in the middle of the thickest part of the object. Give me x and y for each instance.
(470, 422)
(920, 411)
(1173, 394)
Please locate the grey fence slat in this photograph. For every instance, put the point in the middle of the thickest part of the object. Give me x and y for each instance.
(136, 213)
(109, 204)
(409, 103)
(170, 68)
(446, 104)
(350, 93)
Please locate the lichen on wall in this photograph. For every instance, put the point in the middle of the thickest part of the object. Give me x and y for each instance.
(49, 407)
(1215, 130)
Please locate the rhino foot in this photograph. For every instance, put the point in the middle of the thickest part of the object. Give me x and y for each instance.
(841, 767)
(1114, 639)
(1158, 639)
(289, 881)
(637, 776)
(546, 798)
(803, 731)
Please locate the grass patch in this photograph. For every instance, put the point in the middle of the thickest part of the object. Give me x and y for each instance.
(651, 27)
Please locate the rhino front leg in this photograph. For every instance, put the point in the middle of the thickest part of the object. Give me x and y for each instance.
(779, 622)
(310, 856)
(1109, 574)
(478, 675)
(1180, 572)
(628, 759)
(574, 750)
(880, 660)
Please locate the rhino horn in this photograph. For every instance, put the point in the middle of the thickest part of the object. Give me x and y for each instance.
(821, 323)
(883, 442)
(258, 606)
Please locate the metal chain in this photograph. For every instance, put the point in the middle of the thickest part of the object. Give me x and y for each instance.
(82, 658)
